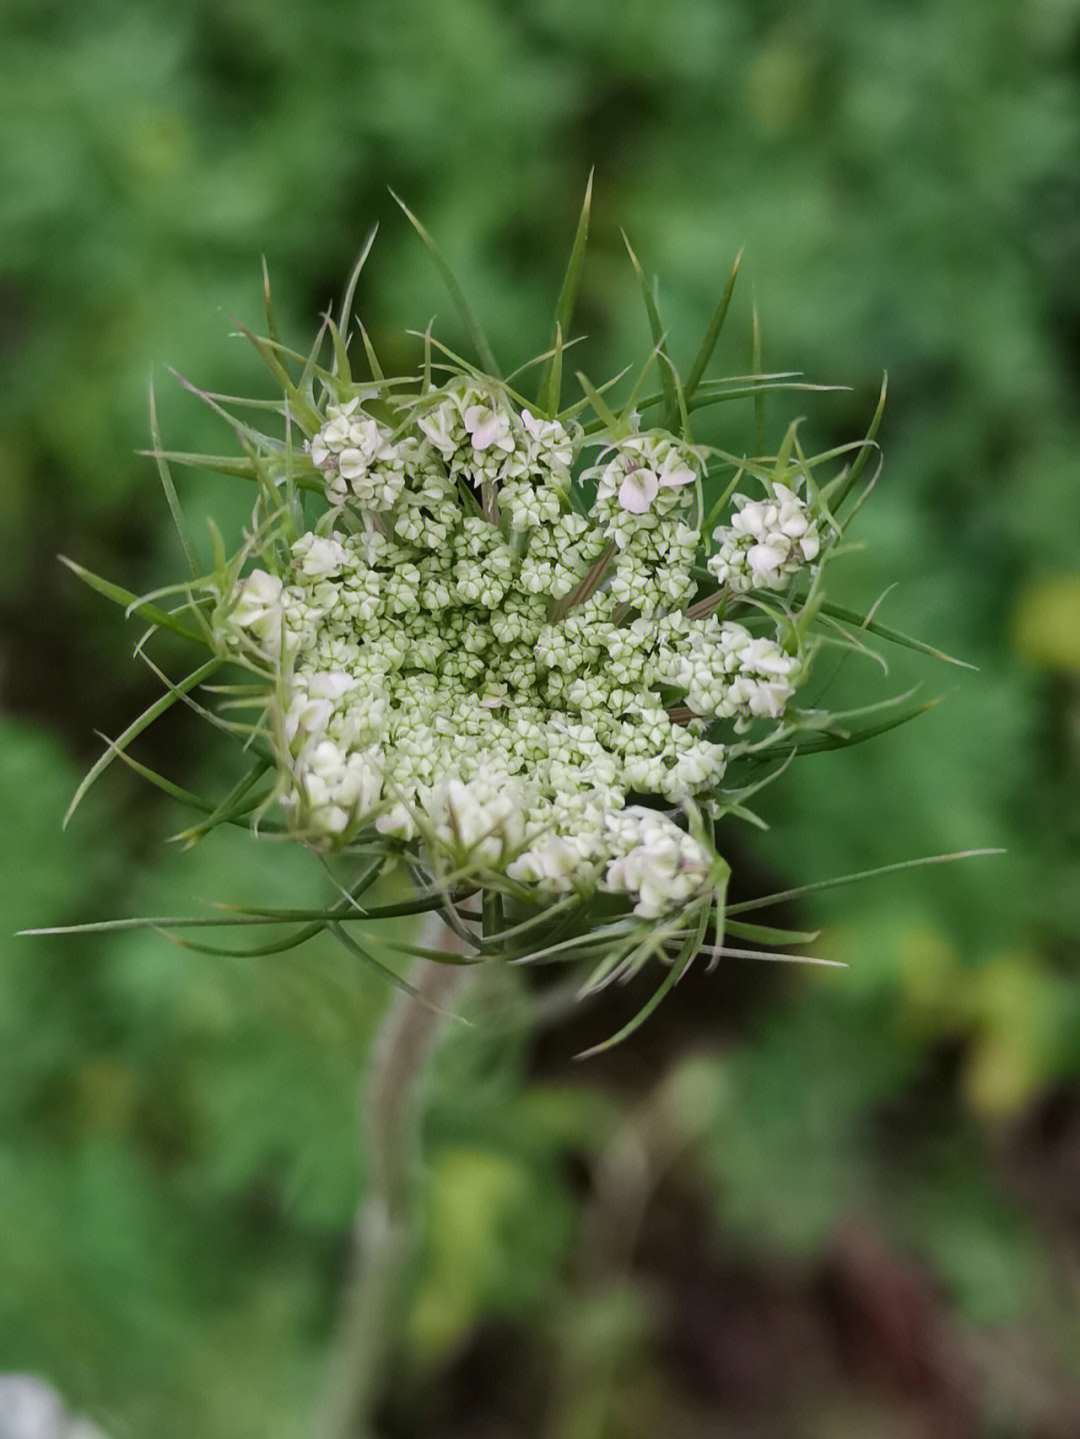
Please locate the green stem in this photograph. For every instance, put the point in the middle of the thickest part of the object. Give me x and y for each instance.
(384, 1232)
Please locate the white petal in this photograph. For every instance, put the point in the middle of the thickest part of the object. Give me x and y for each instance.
(482, 425)
(765, 558)
(671, 478)
(352, 464)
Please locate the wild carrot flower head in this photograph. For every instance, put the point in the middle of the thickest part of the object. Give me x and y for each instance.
(535, 652)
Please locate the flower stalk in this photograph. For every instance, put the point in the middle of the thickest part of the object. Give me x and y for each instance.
(384, 1232)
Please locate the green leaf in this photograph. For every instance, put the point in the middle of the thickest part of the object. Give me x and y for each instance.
(232, 465)
(837, 492)
(145, 720)
(457, 294)
(350, 290)
(680, 403)
(395, 979)
(827, 741)
(311, 367)
(241, 430)
(299, 405)
(551, 381)
(837, 612)
(268, 305)
(175, 791)
(369, 350)
(804, 889)
(765, 934)
(228, 727)
(712, 334)
(687, 954)
(236, 803)
(790, 741)
(599, 404)
(130, 601)
(667, 383)
(170, 489)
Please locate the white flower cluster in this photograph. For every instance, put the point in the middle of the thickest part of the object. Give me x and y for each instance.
(657, 862)
(728, 674)
(644, 499)
(480, 436)
(359, 458)
(468, 664)
(766, 543)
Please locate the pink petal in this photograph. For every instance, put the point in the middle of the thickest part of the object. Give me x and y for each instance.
(638, 490)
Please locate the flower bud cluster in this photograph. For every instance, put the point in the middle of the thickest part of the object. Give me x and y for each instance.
(468, 664)
(727, 673)
(644, 482)
(359, 458)
(526, 460)
(480, 824)
(656, 862)
(559, 555)
(766, 542)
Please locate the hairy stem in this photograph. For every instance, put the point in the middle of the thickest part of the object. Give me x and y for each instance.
(384, 1231)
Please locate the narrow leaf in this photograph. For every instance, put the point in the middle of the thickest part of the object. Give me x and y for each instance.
(256, 951)
(827, 741)
(145, 720)
(818, 743)
(727, 953)
(679, 966)
(598, 403)
(553, 389)
(128, 600)
(671, 408)
(765, 934)
(304, 412)
(268, 304)
(804, 889)
(233, 465)
(236, 803)
(649, 1007)
(369, 350)
(341, 367)
(852, 617)
(712, 334)
(170, 489)
(350, 291)
(387, 973)
(185, 796)
(841, 487)
(457, 294)
(572, 411)
(551, 382)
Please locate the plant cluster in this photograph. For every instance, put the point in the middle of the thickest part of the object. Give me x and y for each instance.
(515, 646)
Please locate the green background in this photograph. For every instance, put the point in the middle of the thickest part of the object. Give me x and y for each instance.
(862, 1214)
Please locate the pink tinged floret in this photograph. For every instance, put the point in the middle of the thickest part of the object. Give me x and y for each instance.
(642, 485)
(638, 490)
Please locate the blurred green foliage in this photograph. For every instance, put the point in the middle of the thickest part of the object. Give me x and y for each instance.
(178, 1158)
